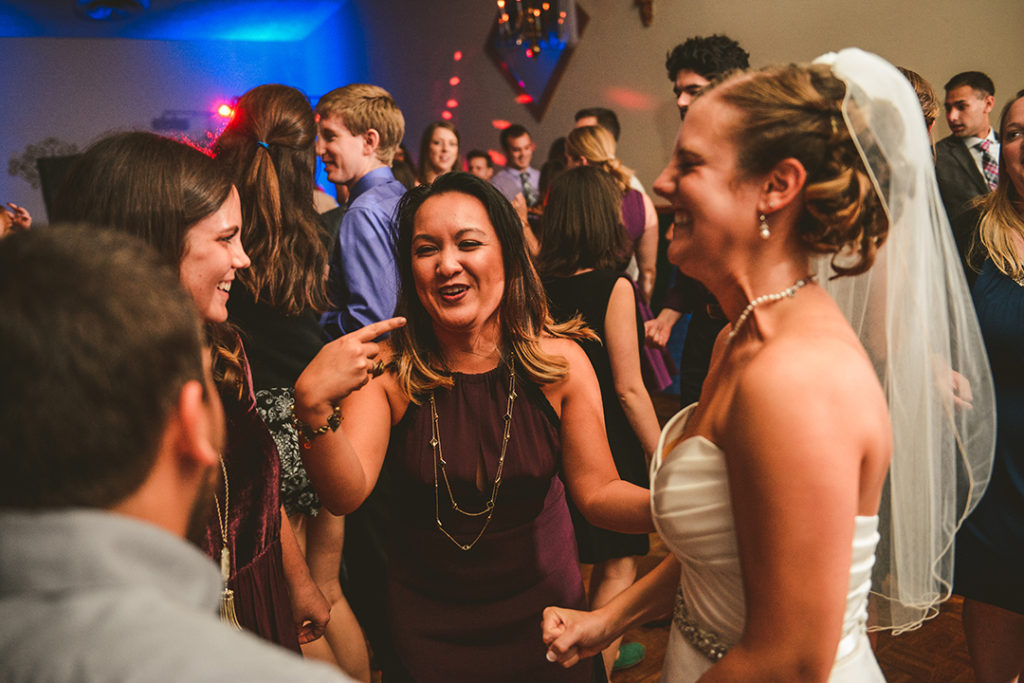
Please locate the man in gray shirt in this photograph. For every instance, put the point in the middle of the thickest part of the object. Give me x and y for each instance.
(110, 434)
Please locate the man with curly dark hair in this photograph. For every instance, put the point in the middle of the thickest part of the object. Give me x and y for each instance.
(692, 64)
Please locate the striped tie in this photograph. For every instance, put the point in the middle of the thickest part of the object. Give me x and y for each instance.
(989, 167)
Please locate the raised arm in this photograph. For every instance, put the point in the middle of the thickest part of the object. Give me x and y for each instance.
(343, 464)
(603, 498)
(620, 339)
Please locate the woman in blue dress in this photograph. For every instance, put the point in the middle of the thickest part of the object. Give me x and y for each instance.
(990, 546)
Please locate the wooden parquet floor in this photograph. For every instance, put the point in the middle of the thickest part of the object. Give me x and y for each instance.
(935, 653)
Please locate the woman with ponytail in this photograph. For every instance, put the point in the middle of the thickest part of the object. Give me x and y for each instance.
(268, 150)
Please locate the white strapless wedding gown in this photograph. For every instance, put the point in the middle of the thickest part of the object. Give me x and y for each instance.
(692, 512)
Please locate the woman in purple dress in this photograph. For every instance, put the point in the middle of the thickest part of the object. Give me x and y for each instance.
(475, 407)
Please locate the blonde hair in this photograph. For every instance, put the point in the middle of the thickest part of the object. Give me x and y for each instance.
(363, 107)
(597, 146)
(925, 95)
(1001, 215)
(794, 111)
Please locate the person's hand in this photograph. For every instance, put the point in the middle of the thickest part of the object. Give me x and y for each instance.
(343, 366)
(657, 331)
(20, 217)
(961, 386)
(310, 610)
(572, 635)
(519, 204)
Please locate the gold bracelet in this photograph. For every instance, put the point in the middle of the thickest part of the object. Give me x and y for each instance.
(306, 433)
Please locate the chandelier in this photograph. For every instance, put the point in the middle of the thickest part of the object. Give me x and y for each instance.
(535, 25)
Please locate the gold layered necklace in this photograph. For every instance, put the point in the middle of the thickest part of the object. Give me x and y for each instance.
(227, 600)
(435, 443)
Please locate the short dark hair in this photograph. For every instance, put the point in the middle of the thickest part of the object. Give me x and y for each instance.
(98, 338)
(480, 154)
(975, 79)
(709, 56)
(606, 118)
(514, 131)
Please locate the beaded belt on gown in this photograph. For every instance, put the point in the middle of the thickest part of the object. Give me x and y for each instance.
(706, 642)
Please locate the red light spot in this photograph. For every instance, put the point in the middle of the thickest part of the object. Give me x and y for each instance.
(225, 111)
(454, 80)
(498, 158)
(529, 53)
(457, 56)
(446, 115)
(500, 124)
(451, 104)
(524, 98)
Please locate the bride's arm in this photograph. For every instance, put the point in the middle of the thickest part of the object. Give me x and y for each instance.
(572, 635)
(797, 437)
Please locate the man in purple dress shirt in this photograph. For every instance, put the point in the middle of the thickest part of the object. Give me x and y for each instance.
(360, 128)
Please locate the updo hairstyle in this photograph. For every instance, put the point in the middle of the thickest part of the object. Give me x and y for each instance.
(597, 146)
(795, 112)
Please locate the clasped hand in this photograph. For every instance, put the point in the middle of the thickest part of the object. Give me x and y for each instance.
(572, 635)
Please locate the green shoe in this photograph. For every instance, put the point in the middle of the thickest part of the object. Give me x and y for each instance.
(630, 654)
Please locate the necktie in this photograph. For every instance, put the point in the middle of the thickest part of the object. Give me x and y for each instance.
(529, 191)
(989, 167)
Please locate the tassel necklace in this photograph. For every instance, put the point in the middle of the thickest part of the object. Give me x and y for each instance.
(435, 443)
(227, 598)
(767, 299)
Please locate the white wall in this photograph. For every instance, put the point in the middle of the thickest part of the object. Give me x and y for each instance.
(77, 89)
(620, 64)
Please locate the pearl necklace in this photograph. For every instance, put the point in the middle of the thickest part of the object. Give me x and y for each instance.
(767, 299)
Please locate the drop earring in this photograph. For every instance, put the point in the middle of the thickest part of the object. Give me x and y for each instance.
(765, 231)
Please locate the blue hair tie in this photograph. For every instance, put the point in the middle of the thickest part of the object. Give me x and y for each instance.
(263, 145)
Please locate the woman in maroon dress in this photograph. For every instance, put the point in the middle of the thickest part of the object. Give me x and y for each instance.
(483, 403)
(177, 199)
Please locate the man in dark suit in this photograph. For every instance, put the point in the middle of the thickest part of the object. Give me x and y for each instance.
(966, 162)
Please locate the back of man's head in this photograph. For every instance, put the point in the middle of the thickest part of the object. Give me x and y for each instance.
(708, 56)
(362, 106)
(98, 337)
(975, 79)
(605, 118)
(511, 133)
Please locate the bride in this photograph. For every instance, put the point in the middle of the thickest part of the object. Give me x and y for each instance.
(844, 401)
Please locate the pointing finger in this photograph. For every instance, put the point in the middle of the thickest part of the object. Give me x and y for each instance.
(374, 330)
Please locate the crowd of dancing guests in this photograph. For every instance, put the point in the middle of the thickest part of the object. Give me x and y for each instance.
(397, 428)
